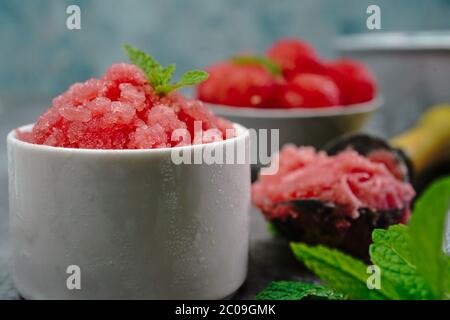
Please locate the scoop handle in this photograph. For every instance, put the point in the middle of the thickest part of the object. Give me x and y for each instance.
(428, 142)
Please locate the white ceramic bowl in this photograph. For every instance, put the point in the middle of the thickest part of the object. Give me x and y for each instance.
(137, 225)
(305, 126)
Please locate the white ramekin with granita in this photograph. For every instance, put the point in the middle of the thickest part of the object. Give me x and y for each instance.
(105, 202)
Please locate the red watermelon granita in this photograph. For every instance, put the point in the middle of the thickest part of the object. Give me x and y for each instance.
(132, 106)
(355, 195)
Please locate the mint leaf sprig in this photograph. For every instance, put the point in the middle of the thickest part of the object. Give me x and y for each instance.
(390, 251)
(411, 258)
(427, 230)
(160, 77)
(293, 290)
(341, 272)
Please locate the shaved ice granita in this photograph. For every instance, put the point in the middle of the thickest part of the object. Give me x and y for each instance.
(128, 109)
(359, 193)
(347, 178)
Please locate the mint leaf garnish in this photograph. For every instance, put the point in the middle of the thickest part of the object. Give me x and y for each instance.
(292, 290)
(160, 77)
(167, 74)
(390, 251)
(341, 272)
(193, 77)
(447, 279)
(187, 79)
(146, 63)
(264, 62)
(426, 231)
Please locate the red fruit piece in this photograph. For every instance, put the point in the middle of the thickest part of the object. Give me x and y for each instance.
(354, 80)
(307, 91)
(284, 95)
(236, 85)
(294, 57)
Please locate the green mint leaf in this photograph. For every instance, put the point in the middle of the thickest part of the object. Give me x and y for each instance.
(426, 230)
(167, 74)
(189, 78)
(292, 290)
(264, 62)
(390, 251)
(152, 69)
(160, 77)
(341, 272)
(446, 294)
(193, 77)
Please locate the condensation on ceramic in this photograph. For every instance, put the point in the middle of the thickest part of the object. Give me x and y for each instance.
(137, 225)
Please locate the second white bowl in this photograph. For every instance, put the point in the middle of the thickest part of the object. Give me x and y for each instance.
(302, 126)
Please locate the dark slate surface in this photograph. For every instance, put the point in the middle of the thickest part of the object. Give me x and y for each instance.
(270, 259)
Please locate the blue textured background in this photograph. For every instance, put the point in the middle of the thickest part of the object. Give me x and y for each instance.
(40, 57)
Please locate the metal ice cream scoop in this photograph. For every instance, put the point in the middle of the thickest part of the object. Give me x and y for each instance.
(413, 151)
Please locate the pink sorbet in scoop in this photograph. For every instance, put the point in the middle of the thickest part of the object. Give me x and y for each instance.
(347, 179)
(122, 111)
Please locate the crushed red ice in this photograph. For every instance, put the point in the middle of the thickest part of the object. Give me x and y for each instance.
(122, 111)
(347, 179)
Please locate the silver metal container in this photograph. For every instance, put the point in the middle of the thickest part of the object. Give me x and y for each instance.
(412, 69)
